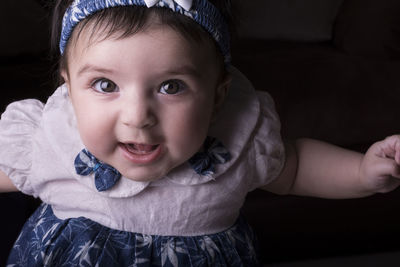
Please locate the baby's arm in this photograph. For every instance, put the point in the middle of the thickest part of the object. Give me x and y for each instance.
(315, 168)
(5, 184)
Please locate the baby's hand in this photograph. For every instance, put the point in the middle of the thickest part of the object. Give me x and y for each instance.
(380, 168)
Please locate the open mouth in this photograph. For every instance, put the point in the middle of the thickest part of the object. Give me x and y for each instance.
(141, 153)
(140, 149)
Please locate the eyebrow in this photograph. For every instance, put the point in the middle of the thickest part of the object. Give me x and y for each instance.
(180, 70)
(92, 68)
(185, 70)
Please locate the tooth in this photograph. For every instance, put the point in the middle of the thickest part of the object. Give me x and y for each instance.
(142, 147)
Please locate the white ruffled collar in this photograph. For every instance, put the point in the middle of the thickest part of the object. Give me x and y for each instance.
(234, 127)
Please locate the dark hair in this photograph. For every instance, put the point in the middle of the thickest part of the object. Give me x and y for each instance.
(129, 20)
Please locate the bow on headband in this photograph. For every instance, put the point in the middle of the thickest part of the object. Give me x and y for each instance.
(186, 4)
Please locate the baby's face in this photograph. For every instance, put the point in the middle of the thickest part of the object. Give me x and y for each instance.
(143, 103)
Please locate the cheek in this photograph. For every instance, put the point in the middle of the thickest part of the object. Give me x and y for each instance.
(92, 132)
(93, 125)
(190, 127)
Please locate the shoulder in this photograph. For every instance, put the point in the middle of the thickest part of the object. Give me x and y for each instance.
(249, 126)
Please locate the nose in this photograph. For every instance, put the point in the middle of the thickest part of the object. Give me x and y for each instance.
(137, 111)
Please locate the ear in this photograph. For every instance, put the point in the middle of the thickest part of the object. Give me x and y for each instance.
(220, 93)
(65, 76)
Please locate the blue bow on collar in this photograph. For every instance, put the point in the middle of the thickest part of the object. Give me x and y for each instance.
(105, 176)
(213, 152)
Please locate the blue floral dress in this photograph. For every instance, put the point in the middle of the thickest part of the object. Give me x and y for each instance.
(49, 241)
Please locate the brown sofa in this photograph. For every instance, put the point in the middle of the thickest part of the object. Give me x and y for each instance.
(333, 68)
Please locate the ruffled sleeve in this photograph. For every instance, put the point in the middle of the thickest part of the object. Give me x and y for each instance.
(18, 126)
(268, 149)
(249, 128)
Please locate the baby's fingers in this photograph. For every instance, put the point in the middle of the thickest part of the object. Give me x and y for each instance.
(383, 175)
(381, 167)
(389, 148)
(392, 168)
(397, 156)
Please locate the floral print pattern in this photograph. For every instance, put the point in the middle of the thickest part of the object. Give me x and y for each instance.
(48, 241)
(202, 12)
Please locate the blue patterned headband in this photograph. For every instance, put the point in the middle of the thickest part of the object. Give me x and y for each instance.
(201, 11)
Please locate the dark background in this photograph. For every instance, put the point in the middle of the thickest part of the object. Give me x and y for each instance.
(333, 68)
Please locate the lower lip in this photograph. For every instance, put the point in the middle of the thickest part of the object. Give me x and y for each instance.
(141, 158)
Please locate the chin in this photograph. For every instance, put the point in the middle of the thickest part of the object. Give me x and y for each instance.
(144, 177)
(149, 173)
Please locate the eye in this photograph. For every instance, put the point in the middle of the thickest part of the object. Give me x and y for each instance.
(171, 87)
(104, 86)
